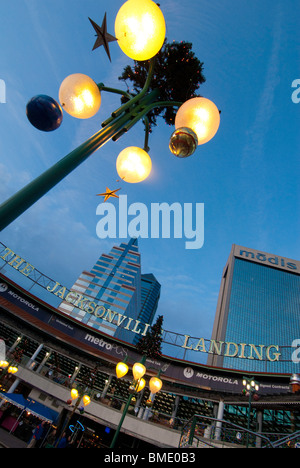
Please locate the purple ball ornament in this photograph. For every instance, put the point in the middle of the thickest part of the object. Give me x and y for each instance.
(44, 113)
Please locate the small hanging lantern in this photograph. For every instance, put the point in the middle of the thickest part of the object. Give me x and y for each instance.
(183, 142)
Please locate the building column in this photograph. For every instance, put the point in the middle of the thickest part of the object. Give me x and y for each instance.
(147, 409)
(75, 373)
(106, 386)
(13, 386)
(138, 407)
(17, 381)
(259, 428)
(15, 344)
(176, 404)
(31, 360)
(219, 422)
(47, 356)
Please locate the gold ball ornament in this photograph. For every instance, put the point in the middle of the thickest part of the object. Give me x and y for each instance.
(183, 142)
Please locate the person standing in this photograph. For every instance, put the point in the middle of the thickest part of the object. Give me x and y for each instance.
(36, 436)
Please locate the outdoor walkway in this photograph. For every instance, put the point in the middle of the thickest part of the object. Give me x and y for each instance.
(8, 440)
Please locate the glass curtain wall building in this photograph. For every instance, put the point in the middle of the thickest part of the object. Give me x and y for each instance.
(114, 283)
(150, 294)
(258, 313)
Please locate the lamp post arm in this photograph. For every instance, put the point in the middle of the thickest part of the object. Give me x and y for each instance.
(147, 131)
(141, 94)
(165, 104)
(143, 113)
(102, 87)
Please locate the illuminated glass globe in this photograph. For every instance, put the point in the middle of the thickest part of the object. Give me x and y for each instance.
(121, 369)
(141, 385)
(79, 96)
(155, 384)
(140, 29)
(138, 370)
(201, 115)
(74, 393)
(133, 164)
(86, 400)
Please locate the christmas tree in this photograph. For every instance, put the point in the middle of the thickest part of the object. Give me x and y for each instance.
(177, 74)
(150, 344)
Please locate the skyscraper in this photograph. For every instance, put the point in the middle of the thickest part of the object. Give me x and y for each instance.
(114, 293)
(258, 313)
(150, 294)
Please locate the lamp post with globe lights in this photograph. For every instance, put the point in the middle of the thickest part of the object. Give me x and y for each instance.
(138, 383)
(140, 29)
(80, 393)
(250, 389)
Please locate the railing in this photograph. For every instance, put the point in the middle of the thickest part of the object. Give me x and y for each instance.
(288, 441)
(202, 431)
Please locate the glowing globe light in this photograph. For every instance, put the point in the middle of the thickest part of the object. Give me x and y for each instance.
(74, 393)
(155, 384)
(141, 385)
(138, 370)
(12, 369)
(140, 29)
(133, 164)
(79, 96)
(86, 400)
(201, 115)
(121, 369)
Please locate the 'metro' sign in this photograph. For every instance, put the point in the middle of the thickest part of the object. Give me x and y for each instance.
(267, 259)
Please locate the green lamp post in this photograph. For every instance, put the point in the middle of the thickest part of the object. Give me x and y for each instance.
(138, 370)
(140, 29)
(251, 386)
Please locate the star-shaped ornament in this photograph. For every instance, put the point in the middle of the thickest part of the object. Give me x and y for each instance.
(109, 193)
(103, 37)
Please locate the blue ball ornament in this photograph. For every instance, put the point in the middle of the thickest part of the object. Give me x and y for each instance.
(44, 113)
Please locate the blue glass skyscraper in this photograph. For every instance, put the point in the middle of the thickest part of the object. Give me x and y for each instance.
(116, 293)
(258, 313)
(150, 294)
